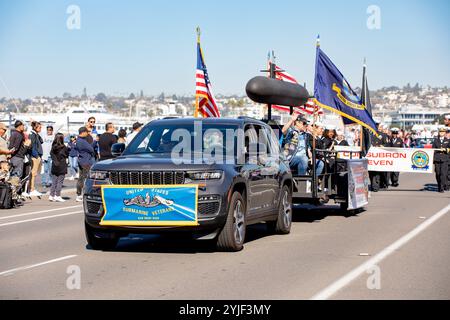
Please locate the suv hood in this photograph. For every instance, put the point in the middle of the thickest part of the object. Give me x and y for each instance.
(150, 162)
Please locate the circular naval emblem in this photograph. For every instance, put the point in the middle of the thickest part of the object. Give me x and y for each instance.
(420, 160)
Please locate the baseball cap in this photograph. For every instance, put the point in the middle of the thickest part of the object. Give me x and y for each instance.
(137, 125)
(301, 118)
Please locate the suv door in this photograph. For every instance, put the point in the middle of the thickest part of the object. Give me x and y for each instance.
(251, 170)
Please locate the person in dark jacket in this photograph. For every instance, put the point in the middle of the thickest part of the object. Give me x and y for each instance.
(86, 159)
(73, 157)
(36, 156)
(375, 176)
(20, 147)
(59, 154)
(442, 146)
(396, 142)
(105, 142)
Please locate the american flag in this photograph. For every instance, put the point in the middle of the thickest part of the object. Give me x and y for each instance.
(308, 108)
(205, 99)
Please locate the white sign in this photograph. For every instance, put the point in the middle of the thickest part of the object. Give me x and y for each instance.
(400, 160)
(358, 184)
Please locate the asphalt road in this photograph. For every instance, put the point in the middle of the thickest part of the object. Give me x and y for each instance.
(404, 232)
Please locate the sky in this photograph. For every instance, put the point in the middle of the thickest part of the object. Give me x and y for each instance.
(128, 46)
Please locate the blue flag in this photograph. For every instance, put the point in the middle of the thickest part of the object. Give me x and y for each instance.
(333, 92)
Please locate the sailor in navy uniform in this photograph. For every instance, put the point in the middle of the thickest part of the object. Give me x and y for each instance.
(385, 142)
(441, 158)
(375, 176)
(395, 142)
(447, 124)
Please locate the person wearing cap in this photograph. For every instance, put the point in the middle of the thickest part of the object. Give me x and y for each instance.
(447, 135)
(86, 159)
(340, 138)
(441, 158)
(296, 143)
(396, 142)
(375, 176)
(385, 142)
(21, 146)
(5, 152)
(447, 124)
(137, 126)
(447, 120)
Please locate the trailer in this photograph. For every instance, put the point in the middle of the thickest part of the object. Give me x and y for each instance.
(344, 180)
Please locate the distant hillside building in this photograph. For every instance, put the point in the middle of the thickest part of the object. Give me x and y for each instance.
(410, 115)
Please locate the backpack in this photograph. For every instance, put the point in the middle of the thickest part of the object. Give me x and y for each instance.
(6, 201)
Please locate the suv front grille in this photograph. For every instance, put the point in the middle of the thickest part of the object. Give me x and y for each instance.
(93, 207)
(208, 208)
(146, 178)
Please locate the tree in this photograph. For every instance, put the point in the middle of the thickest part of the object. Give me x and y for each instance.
(101, 97)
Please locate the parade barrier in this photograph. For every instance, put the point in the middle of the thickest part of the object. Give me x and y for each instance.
(159, 205)
(385, 159)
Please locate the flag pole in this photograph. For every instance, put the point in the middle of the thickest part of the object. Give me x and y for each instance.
(314, 189)
(361, 133)
(196, 96)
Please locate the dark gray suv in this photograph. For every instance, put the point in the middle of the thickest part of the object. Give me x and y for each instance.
(250, 182)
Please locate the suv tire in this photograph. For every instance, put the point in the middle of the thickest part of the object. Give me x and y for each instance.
(232, 236)
(97, 242)
(284, 220)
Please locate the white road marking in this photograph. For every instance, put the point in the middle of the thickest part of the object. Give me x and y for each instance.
(12, 271)
(41, 218)
(38, 212)
(358, 271)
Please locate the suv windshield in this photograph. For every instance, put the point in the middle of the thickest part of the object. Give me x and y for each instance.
(166, 138)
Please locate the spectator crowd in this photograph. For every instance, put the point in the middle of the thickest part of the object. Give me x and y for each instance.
(33, 155)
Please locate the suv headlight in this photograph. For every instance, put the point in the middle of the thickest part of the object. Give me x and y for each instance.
(204, 175)
(98, 175)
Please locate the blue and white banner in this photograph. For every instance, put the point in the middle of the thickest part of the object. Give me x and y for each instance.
(400, 160)
(162, 205)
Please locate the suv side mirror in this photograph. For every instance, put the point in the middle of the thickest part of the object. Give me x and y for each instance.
(117, 149)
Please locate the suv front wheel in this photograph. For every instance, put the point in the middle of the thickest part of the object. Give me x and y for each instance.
(232, 236)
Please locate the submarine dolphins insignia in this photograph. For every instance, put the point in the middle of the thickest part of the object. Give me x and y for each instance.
(147, 202)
